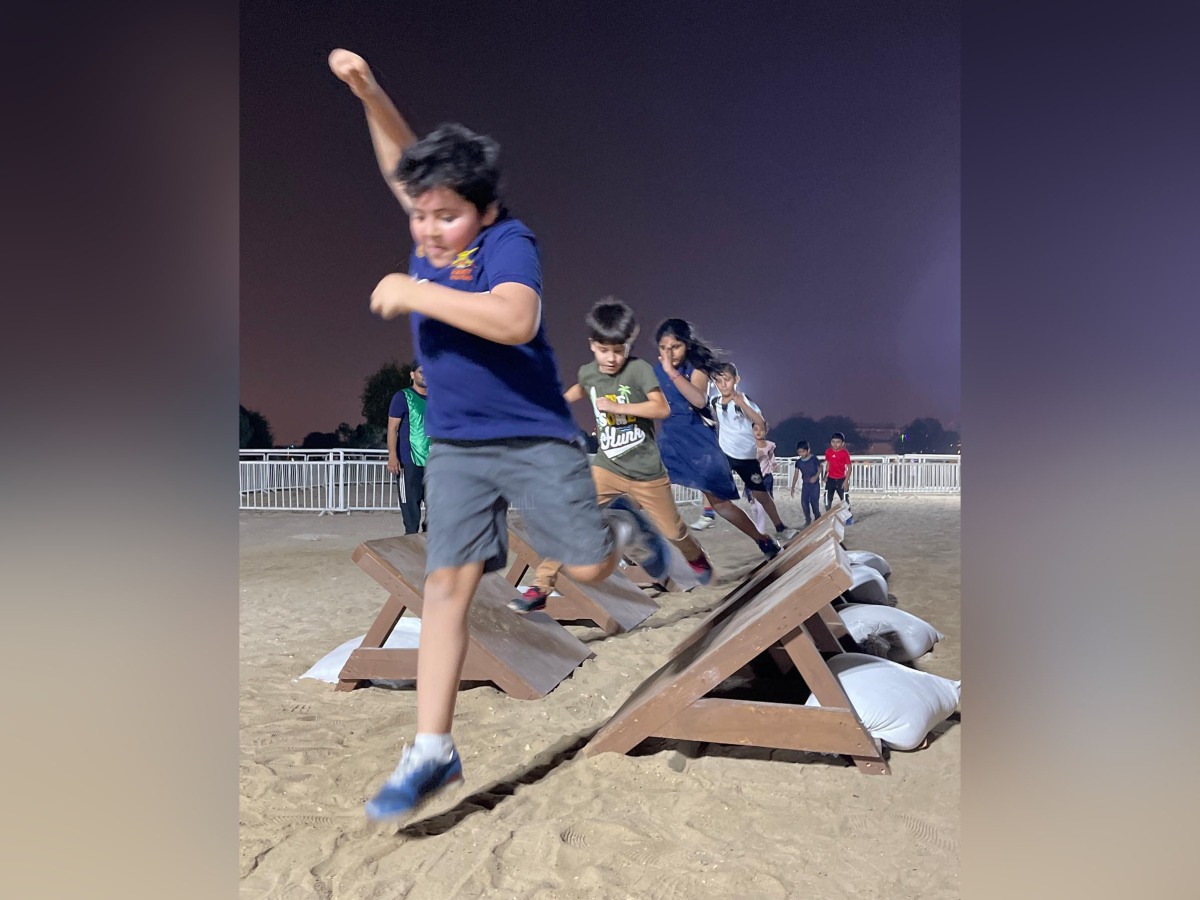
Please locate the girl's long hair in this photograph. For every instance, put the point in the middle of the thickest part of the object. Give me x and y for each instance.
(700, 354)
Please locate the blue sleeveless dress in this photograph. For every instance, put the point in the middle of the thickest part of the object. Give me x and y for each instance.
(688, 447)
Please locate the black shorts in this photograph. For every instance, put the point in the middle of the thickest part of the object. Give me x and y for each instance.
(749, 471)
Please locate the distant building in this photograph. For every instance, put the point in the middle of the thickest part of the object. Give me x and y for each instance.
(879, 436)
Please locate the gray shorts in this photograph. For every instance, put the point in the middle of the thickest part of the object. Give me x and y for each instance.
(469, 487)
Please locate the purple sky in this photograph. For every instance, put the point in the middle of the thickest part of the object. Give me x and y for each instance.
(789, 183)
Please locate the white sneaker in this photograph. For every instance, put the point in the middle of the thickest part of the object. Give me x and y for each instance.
(701, 523)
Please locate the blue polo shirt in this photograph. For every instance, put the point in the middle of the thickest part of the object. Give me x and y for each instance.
(480, 390)
(808, 467)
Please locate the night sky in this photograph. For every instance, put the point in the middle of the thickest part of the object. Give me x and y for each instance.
(790, 183)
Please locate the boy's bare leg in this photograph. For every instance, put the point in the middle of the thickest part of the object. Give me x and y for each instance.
(444, 640)
(595, 571)
(735, 516)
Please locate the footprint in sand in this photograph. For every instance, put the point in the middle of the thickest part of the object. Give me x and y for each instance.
(313, 820)
(643, 849)
(868, 825)
(928, 834)
(860, 825)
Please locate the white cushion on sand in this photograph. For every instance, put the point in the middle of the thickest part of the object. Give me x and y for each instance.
(908, 635)
(868, 587)
(898, 705)
(867, 558)
(406, 635)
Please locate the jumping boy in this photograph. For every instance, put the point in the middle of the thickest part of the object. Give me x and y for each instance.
(497, 421)
(626, 399)
(736, 416)
(837, 471)
(408, 446)
(807, 472)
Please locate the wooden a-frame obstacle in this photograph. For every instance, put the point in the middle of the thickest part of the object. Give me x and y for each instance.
(526, 656)
(615, 604)
(783, 610)
(828, 525)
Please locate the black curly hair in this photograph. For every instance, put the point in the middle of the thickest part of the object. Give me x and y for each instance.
(455, 157)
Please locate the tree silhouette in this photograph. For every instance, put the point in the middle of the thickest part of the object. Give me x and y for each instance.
(254, 431)
(855, 442)
(794, 429)
(925, 436)
(320, 440)
(378, 389)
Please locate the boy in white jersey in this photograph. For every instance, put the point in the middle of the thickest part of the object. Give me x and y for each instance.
(736, 416)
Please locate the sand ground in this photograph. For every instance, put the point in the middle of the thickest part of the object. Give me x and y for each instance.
(537, 819)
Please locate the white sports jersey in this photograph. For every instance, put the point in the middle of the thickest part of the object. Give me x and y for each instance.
(735, 429)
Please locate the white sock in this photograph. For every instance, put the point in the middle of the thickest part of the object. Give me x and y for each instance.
(433, 746)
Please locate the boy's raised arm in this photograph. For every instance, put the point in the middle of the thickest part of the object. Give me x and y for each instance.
(390, 134)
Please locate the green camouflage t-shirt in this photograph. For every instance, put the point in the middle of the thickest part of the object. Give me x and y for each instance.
(627, 443)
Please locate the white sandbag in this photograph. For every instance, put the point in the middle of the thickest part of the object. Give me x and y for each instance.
(868, 587)
(867, 558)
(906, 636)
(406, 635)
(898, 705)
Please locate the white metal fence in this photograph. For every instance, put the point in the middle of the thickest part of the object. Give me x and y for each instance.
(909, 474)
(358, 480)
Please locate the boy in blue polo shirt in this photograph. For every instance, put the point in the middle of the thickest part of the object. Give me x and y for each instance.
(498, 425)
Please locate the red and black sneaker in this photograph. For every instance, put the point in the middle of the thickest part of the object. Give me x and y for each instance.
(530, 601)
(703, 569)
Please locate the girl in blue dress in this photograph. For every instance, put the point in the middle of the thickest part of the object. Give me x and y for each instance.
(688, 446)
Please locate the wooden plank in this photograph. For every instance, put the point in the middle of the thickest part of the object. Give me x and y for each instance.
(525, 655)
(400, 663)
(782, 725)
(760, 578)
(727, 645)
(824, 684)
(820, 632)
(615, 604)
(643, 579)
(782, 614)
(381, 629)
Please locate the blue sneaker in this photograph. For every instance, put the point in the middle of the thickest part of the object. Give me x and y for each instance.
(413, 784)
(647, 537)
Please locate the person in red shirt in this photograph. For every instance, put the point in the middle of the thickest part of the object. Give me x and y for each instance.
(837, 471)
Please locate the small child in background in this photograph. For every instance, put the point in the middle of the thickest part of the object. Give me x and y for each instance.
(766, 463)
(766, 456)
(837, 472)
(808, 473)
